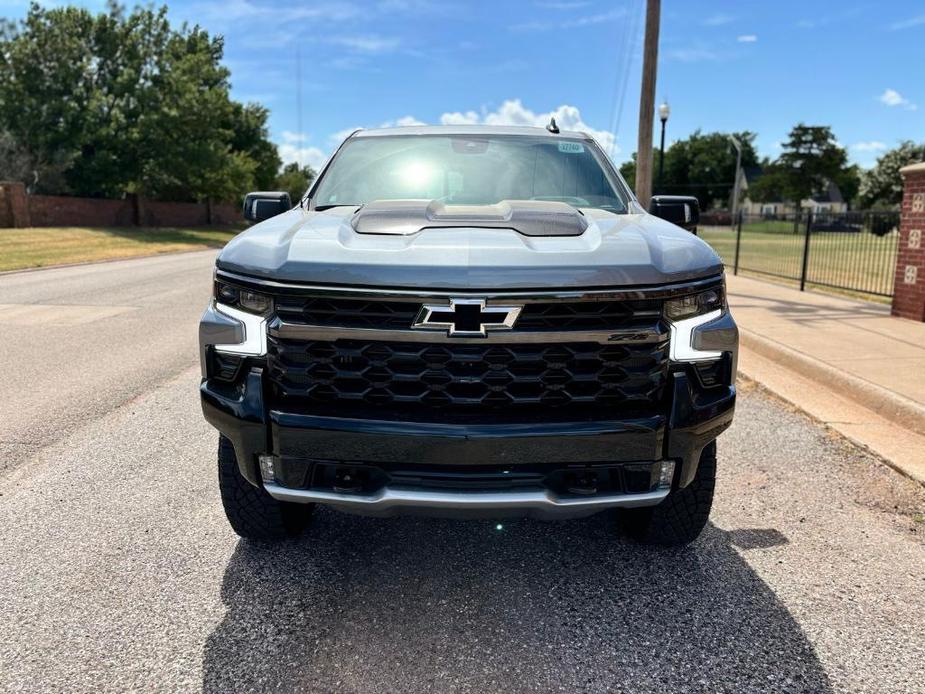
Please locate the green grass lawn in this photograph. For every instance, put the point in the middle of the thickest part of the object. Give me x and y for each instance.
(860, 264)
(45, 246)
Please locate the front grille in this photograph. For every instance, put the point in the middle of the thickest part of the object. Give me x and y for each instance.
(432, 381)
(347, 313)
(400, 315)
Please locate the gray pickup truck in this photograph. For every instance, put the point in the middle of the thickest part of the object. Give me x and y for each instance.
(469, 320)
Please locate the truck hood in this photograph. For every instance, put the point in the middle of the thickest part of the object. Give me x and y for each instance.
(615, 250)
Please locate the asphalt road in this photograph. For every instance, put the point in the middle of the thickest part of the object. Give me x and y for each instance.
(118, 571)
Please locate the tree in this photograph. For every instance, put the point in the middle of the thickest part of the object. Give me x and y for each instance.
(702, 165)
(129, 104)
(628, 171)
(19, 164)
(811, 158)
(771, 185)
(248, 126)
(295, 180)
(882, 186)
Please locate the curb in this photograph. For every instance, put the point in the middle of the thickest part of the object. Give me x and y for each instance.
(147, 256)
(891, 406)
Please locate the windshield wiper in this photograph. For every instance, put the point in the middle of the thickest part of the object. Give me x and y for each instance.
(322, 208)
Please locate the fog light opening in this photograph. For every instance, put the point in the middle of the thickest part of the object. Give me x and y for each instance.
(666, 474)
(267, 467)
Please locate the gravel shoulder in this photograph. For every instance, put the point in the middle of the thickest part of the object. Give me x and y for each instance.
(118, 572)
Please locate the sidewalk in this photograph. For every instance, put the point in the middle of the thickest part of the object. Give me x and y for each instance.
(847, 363)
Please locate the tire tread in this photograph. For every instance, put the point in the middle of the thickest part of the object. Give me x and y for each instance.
(251, 511)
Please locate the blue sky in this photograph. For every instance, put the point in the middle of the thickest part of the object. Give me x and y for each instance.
(761, 66)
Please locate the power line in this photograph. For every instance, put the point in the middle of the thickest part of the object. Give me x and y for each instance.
(627, 44)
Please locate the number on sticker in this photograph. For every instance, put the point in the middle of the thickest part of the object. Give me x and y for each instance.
(571, 147)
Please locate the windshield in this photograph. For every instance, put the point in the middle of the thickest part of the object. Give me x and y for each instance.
(468, 170)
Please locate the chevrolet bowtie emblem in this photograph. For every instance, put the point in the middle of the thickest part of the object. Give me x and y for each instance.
(466, 317)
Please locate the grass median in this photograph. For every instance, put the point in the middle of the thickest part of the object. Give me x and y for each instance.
(48, 246)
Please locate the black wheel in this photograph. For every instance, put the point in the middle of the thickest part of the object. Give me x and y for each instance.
(681, 517)
(252, 512)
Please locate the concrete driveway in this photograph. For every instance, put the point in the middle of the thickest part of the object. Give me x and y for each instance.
(118, 570)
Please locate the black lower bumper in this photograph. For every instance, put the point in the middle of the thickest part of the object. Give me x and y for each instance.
(694, 418)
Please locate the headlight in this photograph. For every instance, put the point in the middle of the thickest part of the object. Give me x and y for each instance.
(244, 299)
(695, 304)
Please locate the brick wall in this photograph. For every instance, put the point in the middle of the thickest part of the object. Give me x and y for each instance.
(17, 209)
(909, 287)
(174, 214)
(59, 210)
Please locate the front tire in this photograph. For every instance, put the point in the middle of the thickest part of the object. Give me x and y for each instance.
(251, 511)
(683, 514)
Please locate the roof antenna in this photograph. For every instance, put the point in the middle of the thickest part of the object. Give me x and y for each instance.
(552, 127)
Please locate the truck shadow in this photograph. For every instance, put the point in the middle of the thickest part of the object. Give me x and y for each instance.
(436, 605)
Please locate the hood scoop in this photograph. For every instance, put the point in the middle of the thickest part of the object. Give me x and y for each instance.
(527, 217)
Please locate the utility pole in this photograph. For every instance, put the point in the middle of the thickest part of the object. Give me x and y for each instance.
(298, 104)
(647, 104)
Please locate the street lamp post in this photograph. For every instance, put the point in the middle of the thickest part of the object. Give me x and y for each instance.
(663, 112)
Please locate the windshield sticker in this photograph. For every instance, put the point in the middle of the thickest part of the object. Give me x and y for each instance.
(571, 147)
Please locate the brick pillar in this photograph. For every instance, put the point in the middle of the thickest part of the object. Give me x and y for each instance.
(17, 212)
(909, 287)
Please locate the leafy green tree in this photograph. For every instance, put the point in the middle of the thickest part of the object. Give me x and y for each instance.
(882, 186)
(249, 134)
(810, 159)
(295, 180)
(702, 165)
(129, 104)
(628, 171)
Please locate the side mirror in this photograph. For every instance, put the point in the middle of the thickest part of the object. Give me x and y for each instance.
(682, 210)
(261, 206)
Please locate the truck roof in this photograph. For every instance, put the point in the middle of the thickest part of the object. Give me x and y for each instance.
(470, 130)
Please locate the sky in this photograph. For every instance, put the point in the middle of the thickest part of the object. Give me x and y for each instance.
(729, 66)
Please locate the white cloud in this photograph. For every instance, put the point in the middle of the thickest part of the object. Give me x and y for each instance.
(565, 5)
(367, 45)
(908, 23)
(306, 156)
(458, 118)
(513, 112)
(226, 12)
(747, 38)
(691, 55)
(404, 121)
(891, 98)
(872, 146)
(291, 137)
(717, 20)
(573, 23)
(334, 139)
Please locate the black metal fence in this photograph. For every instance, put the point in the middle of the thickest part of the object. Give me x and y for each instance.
(847, 251)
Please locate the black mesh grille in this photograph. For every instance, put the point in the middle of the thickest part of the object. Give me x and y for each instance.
(586, 380)
(347, 313)
(588, 315)
(400, 315)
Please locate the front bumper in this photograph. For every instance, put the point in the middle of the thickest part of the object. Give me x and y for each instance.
(300, 443)
(534, 504)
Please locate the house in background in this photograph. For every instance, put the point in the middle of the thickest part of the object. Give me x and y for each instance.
(829, 201)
